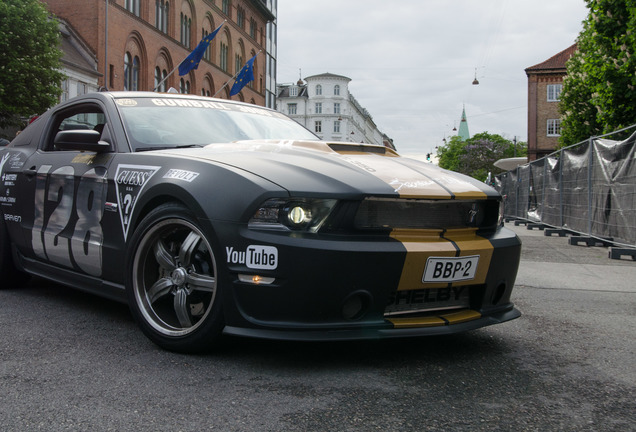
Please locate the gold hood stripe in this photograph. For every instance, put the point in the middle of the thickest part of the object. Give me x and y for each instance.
(413, 182)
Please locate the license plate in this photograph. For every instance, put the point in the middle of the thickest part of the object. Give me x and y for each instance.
(446, 269)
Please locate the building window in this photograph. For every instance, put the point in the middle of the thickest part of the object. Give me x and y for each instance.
(318, 126)
(64, 95)
(240, 17)
(336, 108)
(238, 62)
(318, 107)
(206, 54)
(223, 56)
(292, 108)
(554, 127)
(160, 77)
(554, 92)
(186, 26)
(131, 72)
(318, 90)
(184, 86)
(132, 6)
(293, 91)
(336, 90)
(162, 12)
(253, 28)
(336, 126)
(205, 92)
(225, 7)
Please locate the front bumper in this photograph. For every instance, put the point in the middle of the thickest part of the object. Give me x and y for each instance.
(334, 287)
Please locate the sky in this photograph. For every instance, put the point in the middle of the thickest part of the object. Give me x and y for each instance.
(412, 62)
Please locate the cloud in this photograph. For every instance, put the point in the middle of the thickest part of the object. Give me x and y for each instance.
(412, 62)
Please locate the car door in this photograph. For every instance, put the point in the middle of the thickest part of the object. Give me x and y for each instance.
(67, 180)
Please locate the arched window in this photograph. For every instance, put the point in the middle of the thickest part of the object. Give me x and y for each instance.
(225, 7)
(206, 54)
(184, 86)
(240, 17)
(318, 90)
(336, 90)
(186, 26)
(160, 77)
(253, 28)
(238, 62)
(131, 72)
(162, 13)
(224, 54)
(132, 6)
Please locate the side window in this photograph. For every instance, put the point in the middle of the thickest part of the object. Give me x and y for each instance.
(88, 117)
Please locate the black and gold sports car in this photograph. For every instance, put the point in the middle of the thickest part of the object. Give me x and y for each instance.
(213, 217)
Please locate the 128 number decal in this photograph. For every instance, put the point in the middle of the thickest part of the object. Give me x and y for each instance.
(70, 235)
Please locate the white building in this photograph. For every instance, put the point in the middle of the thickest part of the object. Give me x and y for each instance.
(324, 106)
(79, 64)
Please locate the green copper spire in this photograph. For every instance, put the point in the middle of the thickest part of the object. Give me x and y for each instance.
(463, 126)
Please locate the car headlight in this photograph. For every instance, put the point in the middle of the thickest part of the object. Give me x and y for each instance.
(299, 214)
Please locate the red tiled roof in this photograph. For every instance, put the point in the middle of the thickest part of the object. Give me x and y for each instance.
(557, 61)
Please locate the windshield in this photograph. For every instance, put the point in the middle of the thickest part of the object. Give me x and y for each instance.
(176, 122)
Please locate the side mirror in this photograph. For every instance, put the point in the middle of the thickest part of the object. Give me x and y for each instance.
(80, 140)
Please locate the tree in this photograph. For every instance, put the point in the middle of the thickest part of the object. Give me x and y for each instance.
(599, 91)
(476, 156)
(29, 72)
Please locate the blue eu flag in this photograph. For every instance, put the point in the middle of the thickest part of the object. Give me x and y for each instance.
(192, 60)
(245, 75)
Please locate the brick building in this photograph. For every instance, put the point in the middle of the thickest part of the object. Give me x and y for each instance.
(147, 39)
(545, 82)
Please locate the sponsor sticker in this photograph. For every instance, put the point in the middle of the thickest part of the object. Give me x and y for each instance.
(254, 257)
(129, 182)
(13, 218)
(179, 174)
(126, 102)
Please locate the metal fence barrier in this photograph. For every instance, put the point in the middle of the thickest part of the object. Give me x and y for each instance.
(588, 189)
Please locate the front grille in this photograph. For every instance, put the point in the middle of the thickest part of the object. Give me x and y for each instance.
(425, 300)
(388, 213)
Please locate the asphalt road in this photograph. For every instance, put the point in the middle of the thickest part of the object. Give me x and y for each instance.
(72, 361)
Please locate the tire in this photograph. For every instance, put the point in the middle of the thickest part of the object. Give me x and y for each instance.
(171, 281)
(11, 276)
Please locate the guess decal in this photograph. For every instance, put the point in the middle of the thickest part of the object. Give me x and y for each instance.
(55, 215)
(129, 182)
(254, 257)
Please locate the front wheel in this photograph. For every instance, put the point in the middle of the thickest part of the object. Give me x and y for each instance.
(171, 281)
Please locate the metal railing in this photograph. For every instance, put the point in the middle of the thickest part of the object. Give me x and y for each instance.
(587, 188)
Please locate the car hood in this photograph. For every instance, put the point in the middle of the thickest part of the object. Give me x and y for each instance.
(337, 169)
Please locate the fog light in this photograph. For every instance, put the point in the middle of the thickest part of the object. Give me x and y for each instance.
(256, 279)
(499, 293)
(356, 305)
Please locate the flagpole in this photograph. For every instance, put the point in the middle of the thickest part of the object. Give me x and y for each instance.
(167, 76)
(175, 69)
(234, 77)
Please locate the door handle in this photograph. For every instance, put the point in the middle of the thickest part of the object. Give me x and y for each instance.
(31, 172)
